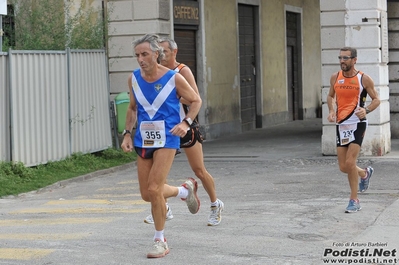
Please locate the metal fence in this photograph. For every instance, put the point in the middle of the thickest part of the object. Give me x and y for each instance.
(53, 104)
(4, 106)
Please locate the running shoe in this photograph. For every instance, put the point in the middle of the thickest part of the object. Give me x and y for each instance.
(216, 214)
(365, 183)
(353, 206)
(159, 249)
(193, 203)
(150, 220)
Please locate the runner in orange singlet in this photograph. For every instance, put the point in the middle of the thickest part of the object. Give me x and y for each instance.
(349, 89)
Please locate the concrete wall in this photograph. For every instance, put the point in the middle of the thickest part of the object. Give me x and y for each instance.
(221, 69)
(311, 59)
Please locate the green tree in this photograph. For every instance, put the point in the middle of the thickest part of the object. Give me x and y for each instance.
(57, 24)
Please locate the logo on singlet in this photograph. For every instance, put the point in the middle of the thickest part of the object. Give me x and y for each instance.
(158, 87)
(341, 81)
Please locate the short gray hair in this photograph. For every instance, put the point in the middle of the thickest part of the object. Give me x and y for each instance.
(153, 40)
(171, 43)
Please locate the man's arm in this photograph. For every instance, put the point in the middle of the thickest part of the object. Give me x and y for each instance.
(368, 84)
(331, 99)
(131, 119)
(188, 75)
(188, 93)
(185, 91)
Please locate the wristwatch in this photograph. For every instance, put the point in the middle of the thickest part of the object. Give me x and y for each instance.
(367, 110)
(126, 132)
(189, 121)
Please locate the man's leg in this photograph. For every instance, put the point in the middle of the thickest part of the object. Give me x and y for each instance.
(352, 169)
(347, 157)
(195, 158)
(162, 162)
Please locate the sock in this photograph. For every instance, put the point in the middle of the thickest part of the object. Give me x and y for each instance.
(215, 203)
(183, 192)
(159, 235)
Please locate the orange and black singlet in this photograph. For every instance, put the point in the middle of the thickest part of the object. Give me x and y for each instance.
(350, 94)
(179, 67)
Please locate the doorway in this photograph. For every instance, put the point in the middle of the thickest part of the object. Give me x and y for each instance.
(294, 64)
(247, 46)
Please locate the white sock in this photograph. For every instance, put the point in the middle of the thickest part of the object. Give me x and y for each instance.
(159, 235)
(215, 203)
(183, 192)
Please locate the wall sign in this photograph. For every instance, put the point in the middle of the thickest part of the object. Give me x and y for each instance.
(185, 12)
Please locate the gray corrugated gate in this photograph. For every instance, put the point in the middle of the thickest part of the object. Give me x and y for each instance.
(58, 105)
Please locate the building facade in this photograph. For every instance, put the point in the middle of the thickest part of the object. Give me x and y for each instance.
(250, 57)
(260, 63)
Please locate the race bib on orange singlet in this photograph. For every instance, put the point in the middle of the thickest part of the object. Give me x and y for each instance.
(153, 134)
(346, 133)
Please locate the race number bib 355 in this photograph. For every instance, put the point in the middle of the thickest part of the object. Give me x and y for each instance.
(346, 133)
(153, 134)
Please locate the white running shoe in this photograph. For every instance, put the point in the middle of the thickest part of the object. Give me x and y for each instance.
(193, 203)
(150, 220)
(216, 214)
(159, 249)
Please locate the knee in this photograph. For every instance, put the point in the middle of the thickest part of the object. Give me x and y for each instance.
(145, 196)
(148, 194)
(200, 173)
(347, 166)
(153, 192)
(342, 168)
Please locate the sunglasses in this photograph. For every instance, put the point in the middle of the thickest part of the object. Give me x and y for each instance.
(345, 58)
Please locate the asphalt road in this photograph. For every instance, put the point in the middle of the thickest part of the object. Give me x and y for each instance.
(284, 204)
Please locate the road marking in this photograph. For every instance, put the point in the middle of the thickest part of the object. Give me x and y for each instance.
(128, 182)
(44, 236)
(77, 210)
(117, 188)
(96, 201)
(110, 195)
(59, 221)
(23, 253)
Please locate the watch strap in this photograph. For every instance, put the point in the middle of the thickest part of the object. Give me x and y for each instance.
(126, 132)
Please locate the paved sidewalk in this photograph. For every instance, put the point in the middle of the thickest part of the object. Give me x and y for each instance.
(284, 204)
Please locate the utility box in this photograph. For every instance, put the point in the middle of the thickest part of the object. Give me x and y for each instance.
(122, 101)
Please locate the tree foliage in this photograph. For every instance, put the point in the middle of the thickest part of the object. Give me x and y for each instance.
(57, 24)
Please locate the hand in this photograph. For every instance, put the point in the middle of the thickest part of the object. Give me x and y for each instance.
(360, 113)
(331, 117)
(127, 143)
(180, 129)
